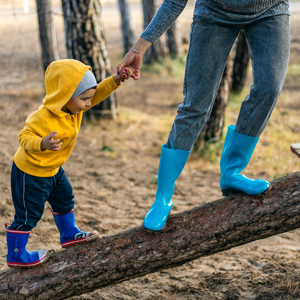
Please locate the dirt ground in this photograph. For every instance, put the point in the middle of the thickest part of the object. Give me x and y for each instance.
(115, 187)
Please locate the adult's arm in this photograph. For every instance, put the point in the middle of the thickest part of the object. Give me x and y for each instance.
(163, 19)
(104, 89)
(166, 15)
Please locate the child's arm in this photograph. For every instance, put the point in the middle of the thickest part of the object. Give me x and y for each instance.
(31, 136)
(30, 141)
(34, 135)
(108, 85)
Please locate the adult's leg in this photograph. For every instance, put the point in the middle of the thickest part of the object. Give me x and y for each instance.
(268, 41)
(269, 48)
(209, 47)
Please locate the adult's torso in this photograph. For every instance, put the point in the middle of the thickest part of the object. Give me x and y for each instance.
(239, 11)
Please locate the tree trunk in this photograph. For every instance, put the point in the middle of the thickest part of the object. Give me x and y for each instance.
(158, 51)
(240, 65)
(213, 129)
(174, 40)
(205, 230)
(47, 32)
(126, 25)
(85, 42)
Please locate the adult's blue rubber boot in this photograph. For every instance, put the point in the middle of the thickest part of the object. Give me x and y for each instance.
(237, 152)
(70, 234)
(172, 162)
(17, 255)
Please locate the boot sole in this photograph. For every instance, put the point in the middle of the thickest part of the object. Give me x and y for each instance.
(228, 192)
(88, 239)
(28, 267)
(154, 231)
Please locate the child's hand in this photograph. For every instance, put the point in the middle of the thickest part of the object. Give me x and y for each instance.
(123, 75)
(50, 144)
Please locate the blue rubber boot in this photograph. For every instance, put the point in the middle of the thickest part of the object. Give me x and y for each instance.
(172, 162)
(70, 234)
(17, 255)
(237, 152)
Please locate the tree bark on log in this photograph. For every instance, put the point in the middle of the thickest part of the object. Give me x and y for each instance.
(205, 230)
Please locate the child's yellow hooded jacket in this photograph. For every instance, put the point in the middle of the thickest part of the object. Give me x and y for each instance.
(61, 79)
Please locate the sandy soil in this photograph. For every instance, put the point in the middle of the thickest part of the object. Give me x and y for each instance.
(114, 189)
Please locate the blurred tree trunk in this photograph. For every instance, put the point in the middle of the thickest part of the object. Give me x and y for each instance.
(240, 65)
(158, 51)
(127, 26)
(85, 42)
(47, 32)
(174, 40)
(213, 129)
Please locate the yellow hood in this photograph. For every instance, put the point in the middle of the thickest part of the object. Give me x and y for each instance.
(61, 80)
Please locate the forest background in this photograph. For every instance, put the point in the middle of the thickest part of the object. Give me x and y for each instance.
(114, 164)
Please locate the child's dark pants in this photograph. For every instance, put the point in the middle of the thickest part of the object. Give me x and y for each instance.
(29, 194)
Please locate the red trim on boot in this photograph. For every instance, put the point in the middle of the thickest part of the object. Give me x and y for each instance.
(55, 213)
(28, 265)
(16, 231)
(73, 242)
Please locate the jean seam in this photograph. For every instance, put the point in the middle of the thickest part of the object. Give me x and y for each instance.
(23, 194)
(186, 65)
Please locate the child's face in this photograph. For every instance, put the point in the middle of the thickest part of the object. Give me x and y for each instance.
(82, 101)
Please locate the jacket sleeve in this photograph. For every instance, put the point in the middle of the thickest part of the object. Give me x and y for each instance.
(104, 89)
(163, 19)
(30, 138)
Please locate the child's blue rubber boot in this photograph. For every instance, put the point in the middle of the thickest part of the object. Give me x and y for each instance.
(17, 255)
(172, 162)
(70, 234)
(237, 152)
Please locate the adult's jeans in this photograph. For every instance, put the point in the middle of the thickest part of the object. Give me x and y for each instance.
(269, 45)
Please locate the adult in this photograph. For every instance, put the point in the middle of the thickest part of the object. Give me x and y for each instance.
(216, 24)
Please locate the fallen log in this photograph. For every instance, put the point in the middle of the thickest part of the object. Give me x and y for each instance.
(201, 231)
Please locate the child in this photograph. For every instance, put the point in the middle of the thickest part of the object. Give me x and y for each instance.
(46, 142)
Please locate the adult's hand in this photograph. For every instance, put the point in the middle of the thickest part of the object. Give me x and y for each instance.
(134, 57)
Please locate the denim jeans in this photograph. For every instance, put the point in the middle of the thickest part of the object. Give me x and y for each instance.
(210, 43)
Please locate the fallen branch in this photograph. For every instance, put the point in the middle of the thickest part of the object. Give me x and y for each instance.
(201, 231)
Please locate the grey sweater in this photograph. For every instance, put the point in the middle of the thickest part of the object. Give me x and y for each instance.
(219, 11)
